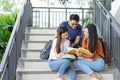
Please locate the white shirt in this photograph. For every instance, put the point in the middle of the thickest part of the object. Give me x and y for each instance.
(63, 48)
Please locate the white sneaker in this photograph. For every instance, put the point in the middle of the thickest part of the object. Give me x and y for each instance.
(99, 76)
(58, 78)
(94, 78)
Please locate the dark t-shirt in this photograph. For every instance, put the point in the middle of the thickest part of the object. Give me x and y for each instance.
(72, 33)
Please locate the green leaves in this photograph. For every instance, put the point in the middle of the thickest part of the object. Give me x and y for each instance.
(6, 25)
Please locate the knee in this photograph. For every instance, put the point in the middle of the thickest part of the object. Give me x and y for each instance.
(66, 61)
(75, 63)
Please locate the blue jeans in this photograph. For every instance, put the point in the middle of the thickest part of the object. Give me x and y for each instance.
(62, 66)
(88, 66)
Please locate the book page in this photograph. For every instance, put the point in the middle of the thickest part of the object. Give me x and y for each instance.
(71, 51)
(83, 51)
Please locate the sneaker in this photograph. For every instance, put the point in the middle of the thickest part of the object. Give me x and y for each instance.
(58, 78)
(95, 78)
(99, 76)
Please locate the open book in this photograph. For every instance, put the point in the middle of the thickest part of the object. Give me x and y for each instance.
(66, 56)
(73, 51)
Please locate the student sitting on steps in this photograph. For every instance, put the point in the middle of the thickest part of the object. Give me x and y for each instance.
(59, 47)
(91, 63)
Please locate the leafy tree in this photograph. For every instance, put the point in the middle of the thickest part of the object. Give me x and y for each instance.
(7, 5)
(80, 3)
(6, 26)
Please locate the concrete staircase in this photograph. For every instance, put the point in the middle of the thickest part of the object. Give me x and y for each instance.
(31, 67)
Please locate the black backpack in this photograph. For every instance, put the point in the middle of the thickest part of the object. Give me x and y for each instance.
(44, 53)
(107, 53)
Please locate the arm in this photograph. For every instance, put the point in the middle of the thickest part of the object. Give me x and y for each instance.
(77, 39)
(59, 55)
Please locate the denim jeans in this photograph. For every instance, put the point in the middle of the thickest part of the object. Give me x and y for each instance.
(89, 66)
(62, 66)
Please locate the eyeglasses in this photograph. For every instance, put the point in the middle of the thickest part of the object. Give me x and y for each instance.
(73, 24)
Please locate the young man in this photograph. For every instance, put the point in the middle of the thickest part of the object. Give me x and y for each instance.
(74, 30)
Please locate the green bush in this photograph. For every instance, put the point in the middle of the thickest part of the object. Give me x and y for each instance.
(6, 26)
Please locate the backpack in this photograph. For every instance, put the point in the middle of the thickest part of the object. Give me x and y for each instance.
(44, 53)
(107, 53)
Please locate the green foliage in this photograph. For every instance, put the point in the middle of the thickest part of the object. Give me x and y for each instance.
(7, 5)
(1, 2)
(6, 26)
(64, 2)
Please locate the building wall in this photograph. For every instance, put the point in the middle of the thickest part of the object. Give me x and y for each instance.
(115, 10)
(107, 4)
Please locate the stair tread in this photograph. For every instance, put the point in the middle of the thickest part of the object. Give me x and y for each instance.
(30, 49)
(46, 62)
(49, 71)
(35, 34)
(29, 41)
(33, 59)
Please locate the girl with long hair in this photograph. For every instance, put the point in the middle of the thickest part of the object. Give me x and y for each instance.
(91, 63)
(59, 47)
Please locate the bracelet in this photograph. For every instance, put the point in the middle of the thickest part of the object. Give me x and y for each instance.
(75, 56)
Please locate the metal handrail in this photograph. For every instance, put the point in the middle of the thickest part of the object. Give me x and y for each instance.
(109, 29)
(51, 17)
(12, 52)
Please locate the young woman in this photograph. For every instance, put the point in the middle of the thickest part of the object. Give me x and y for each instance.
(91, 63)
(59, 47)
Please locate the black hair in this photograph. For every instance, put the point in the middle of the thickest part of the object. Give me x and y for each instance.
(60, 31)
(93, 37)
(74, 17)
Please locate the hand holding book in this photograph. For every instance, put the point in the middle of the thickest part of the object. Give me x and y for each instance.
(73, 51)
(68, 56)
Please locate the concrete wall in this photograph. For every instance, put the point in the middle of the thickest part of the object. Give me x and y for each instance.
(115, 10)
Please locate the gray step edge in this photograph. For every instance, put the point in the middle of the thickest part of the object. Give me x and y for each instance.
(31, 50)
(31, 34)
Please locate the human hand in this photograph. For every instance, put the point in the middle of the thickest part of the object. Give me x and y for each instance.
(79, 54)
(72, 45)
(73, 57)
(60, 55)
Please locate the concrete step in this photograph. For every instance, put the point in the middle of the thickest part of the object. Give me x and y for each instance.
(30, 53)
(40, 37)
(35, 44)
(33, 64)
(41, 31)
(29, 74)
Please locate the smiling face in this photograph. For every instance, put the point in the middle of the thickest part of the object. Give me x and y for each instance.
(64, 35)
(73, 24)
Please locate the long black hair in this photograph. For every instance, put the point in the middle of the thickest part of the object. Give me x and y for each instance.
(93, 37)
(60, 31)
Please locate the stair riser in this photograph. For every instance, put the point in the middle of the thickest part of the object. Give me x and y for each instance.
(33, 55)
(52, 76)
(42, 65)
(36, 45)
(42, 31)
(36, 65)
(40, 38)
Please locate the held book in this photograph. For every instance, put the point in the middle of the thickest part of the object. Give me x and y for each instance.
(66, 56)
(73, 51)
